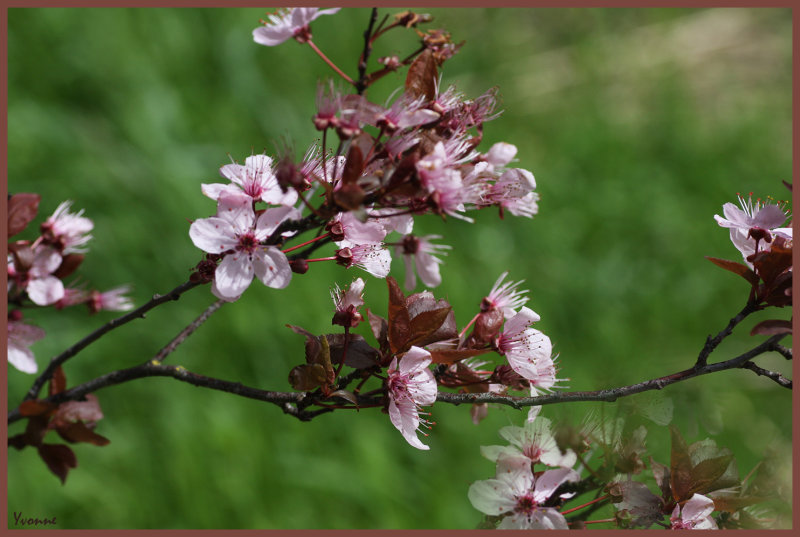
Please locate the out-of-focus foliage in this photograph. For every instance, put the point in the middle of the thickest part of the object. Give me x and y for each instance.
(638, 125)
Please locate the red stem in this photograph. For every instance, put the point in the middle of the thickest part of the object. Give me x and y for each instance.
(330, 63)
(601, 498)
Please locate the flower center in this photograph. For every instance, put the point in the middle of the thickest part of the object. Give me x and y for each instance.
(526, 504)
(247, 243)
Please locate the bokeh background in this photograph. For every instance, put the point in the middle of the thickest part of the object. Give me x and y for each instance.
(637, 123)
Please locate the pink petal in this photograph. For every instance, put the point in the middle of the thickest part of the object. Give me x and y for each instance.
(405, 418)
(272, 267)
(236, 207)
(213, 235)
(45, 291)
(272, 218)
(272, 35)
(233, 275)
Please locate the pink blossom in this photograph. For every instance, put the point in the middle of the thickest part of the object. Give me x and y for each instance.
(42, 287)
(391, 221)
(236, 232)
(347, 303)
(527, 350)
(111, 300)
(534, 442)
(287, 23)
(356, 232)
(505, 296)
(405, 112)
(67, 231)
(20, 337)
(517, 496)
(694, 515)
(753, 225)
(373, 258)
(421, 253)
(513, 191)
(410, 385)
(72, 296)
(255, 178)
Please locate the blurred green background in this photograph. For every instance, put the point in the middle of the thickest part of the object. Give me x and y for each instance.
(637, 123)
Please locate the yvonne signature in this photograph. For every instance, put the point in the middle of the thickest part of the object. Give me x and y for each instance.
(20, 520)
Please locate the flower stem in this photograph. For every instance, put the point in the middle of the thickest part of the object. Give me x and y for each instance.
(315, 239)
(330, 63)
(601, 498)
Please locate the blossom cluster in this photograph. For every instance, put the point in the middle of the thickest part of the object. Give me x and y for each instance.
(37, 270)
(413, 155)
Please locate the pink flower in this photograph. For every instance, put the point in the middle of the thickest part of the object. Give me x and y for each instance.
(505, 296)
(255, 179)
(527, 350)
(421, 252)
(517, 496)
(347, 303)
(410, 385)
(405, 112)
(287, 23)
(356, 232)
(111, 300)
(534, 442)
(42, 287)
(67, 231)
(513, 190)
(695, 514)
(753, 225)
(236, 232)
(373, 258)
(20, 337)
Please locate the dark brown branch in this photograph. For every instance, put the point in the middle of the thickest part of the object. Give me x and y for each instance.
(186, 332)
(614, 393)
(711, 343)
(138, 313)
(774, 375)
(361, 84)
(783, 351)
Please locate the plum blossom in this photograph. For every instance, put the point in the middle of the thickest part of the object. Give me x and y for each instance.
(406, 111)
(67, 231)
(421, 253)
(348, 230)
(517, 495)
(533, 442)
(410, 385)
(287, 23)
(236, 232)
(347, 303)
(694, 515)
(42, 287)
(20, 337)
(373, 258)
(527, 350)
(255, 178)
(753, 225)
(505, 296)
(111, 300)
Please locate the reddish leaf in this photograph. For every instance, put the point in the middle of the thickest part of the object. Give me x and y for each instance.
(349, 196)
(661, 475)
(737, 268)
(707, 472)
(487, 326)
(80, 432)
(306, 377)
(447, 356)
(380, 329)
(680, 478)
(34, 407)
(423, 302)
(346, 395)
(772, 263)
(359, 354)
(426, 324)
(399, 320)
(422, 76)
(58, 382)
(731, 504)
(69, 264)
(23, 254)
(772, 327)
(353, 166)
(59, 458)
(22, 208)
(19, 441)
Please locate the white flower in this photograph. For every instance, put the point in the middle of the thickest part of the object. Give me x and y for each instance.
(287, 23)
(410, 384)
(518, 495)
(20, 337)
(695, 514)
(753, 225)
(255, 179)
(421, 253)
(527, 350)
(505, 297)
(534, 441)
(235, 230)
(43, 288)
(67, 231)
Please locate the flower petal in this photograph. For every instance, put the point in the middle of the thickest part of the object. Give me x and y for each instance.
(272, 267)
(213, 235)
(233, 275)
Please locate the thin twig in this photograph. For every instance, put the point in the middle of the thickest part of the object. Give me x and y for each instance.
(774, 375)
(361, 84)
(186, 332)
(711, 343)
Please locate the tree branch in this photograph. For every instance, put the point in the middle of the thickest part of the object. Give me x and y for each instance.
(774, 375)
(138, 313)
(711, 343)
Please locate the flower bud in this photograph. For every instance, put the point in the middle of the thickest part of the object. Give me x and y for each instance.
(300, 266)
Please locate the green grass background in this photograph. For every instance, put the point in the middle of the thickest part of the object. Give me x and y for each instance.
(638, 125)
